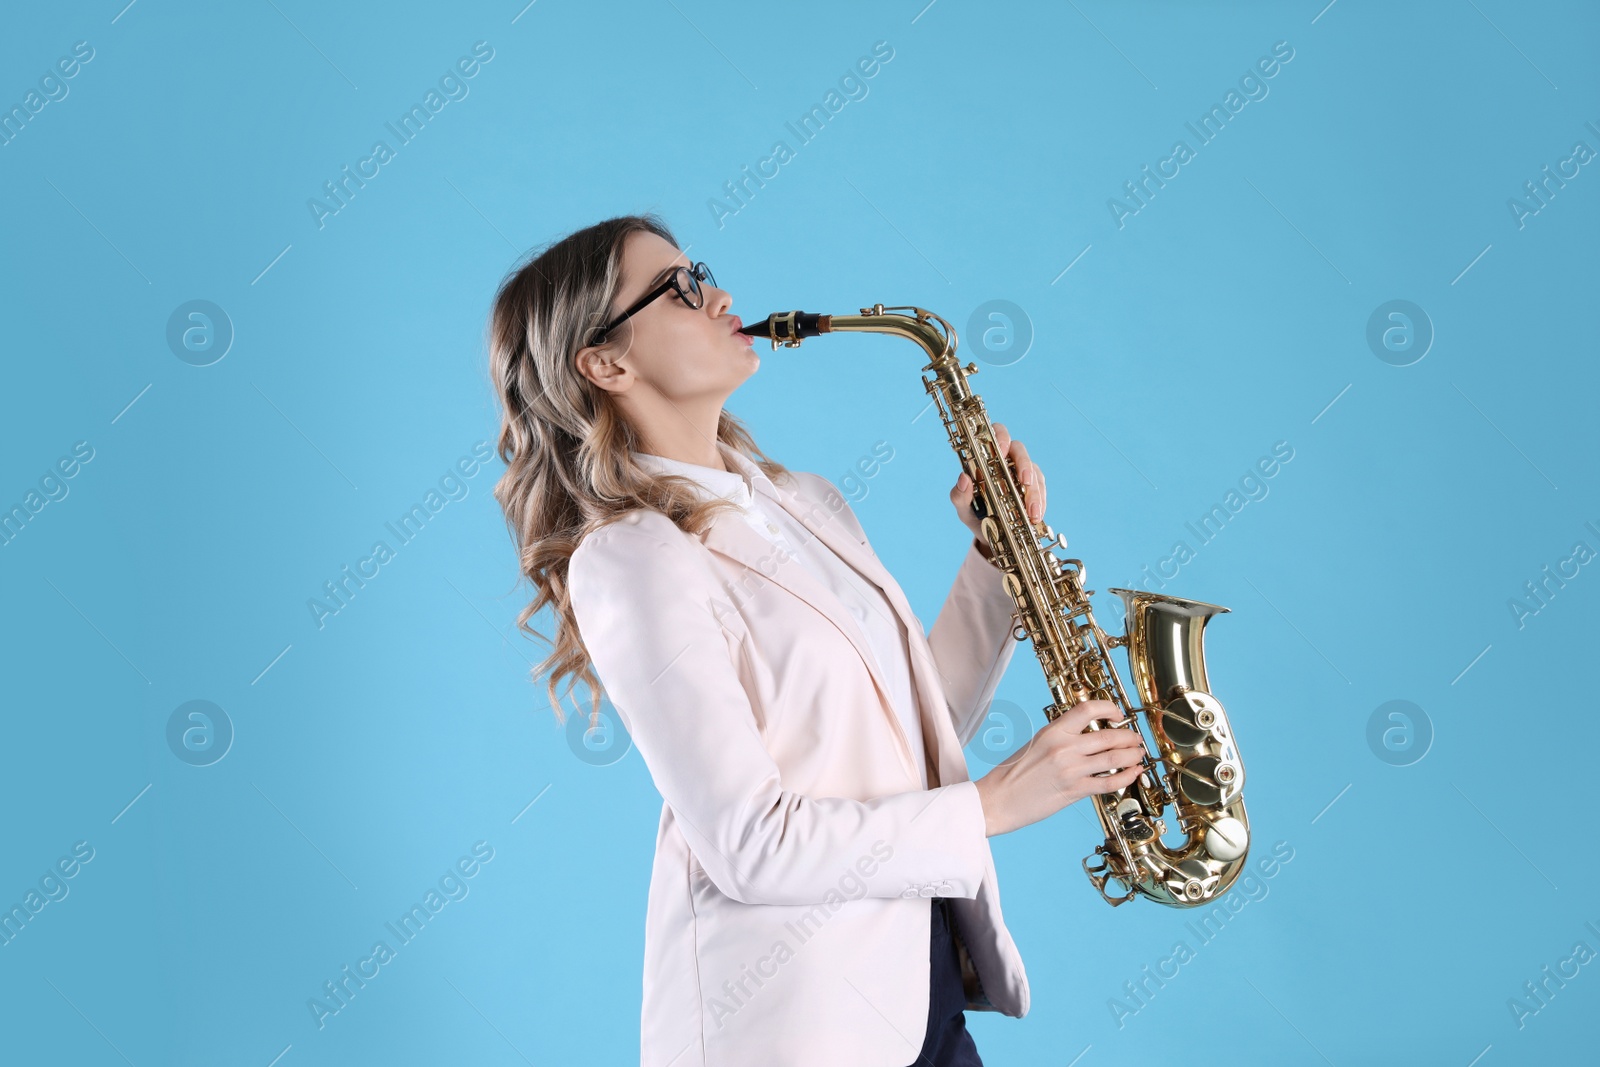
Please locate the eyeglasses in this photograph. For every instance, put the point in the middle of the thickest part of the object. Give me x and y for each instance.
(685, 281)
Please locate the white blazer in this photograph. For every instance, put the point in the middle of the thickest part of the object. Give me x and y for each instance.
(788, 914)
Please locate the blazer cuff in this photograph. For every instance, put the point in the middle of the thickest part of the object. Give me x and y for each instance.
(961, 836)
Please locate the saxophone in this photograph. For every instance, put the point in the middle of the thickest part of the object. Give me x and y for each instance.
(1200, 774)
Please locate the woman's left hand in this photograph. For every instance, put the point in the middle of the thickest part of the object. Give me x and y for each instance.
(1030, 478)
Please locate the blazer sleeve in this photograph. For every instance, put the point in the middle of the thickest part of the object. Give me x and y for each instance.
(971, 641)
(646, 599)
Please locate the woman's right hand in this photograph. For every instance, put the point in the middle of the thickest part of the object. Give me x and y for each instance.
(1058, 766)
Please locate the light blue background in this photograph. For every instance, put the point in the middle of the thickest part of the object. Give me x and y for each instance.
(1228, 314)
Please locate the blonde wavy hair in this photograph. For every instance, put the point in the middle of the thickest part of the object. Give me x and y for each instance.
(565, 443)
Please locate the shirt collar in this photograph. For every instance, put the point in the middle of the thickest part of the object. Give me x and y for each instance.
(735, 484)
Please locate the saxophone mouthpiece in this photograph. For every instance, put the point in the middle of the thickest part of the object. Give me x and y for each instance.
(788, 328)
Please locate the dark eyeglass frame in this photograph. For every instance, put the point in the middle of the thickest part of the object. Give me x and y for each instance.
(685, 281)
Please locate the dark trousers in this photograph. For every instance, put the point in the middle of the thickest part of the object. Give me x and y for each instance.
(947, 1043)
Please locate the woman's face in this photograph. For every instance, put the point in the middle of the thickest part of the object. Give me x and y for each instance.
(673, 350)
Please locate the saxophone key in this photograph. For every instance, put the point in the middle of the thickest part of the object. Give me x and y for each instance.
(1226, 838)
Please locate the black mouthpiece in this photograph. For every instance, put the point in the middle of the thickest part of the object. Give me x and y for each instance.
(788, 326)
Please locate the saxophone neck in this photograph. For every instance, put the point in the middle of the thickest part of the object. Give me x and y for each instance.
(936, 337)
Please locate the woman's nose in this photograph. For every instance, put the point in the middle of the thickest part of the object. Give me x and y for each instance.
(720, 301)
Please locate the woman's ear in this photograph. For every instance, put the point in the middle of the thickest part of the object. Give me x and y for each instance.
(603, 366)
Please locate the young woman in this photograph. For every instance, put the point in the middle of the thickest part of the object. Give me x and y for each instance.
(823, 890)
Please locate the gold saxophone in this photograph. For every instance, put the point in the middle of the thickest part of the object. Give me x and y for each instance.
(1203, 777)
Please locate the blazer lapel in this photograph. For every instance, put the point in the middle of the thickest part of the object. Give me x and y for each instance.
(949, 764)
(732, 537)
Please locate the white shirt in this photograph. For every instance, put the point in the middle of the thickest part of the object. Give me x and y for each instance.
(865, 602)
